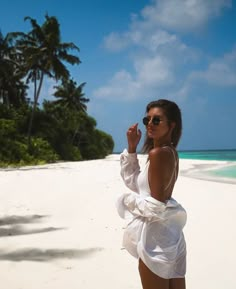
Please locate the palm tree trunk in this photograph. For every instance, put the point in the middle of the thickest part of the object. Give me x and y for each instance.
(36, 97)
(75, 133)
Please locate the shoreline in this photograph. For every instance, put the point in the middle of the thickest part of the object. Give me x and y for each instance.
(192, 168)
(204, 170)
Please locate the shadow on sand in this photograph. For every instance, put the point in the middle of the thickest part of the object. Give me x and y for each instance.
(13, 220)
(44, 255)
(12, 225)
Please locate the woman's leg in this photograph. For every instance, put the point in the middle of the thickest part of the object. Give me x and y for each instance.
(177, 283)
(150, 280)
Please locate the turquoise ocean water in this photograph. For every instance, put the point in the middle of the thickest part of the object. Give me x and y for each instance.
(228, 157)
(218, 155)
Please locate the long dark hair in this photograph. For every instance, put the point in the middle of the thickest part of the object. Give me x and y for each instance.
(173, 114)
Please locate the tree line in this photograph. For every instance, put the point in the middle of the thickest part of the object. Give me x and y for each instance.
(60, 129)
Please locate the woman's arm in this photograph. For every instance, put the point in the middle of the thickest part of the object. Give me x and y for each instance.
(129, 169)
(129, 162)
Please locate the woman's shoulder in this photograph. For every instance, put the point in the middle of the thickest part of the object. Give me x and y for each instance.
(162, 154)
(159, 151)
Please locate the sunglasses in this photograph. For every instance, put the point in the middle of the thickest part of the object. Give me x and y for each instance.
(155, 120)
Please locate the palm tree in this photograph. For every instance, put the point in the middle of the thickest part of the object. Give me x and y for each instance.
(71, 96)
(44, 55)
(12, 88)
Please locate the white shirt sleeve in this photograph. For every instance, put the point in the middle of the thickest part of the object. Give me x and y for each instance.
(135, 205)
(130, 169)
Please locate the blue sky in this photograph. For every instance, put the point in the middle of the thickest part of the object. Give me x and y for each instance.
(134, 51)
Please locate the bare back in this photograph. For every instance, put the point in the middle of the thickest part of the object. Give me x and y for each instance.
(163, 172)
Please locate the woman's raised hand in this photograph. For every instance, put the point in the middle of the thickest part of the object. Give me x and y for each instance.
(133, 136)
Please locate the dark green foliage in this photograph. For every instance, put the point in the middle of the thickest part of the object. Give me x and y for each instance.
(62, 130)
(40, 149)
(92, 142)
(12, 88)
(13, 145)
(58, 133)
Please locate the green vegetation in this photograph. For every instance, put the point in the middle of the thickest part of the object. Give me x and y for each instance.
(56, 130)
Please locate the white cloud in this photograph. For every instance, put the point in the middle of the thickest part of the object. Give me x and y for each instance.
(220, 72)
(116, 42)
(160, 60)
(184, 15)
(159, 55)
(122, 86)
(153, 71)
(149, 28)
(150, 73)
(159, 38)
(139, 36)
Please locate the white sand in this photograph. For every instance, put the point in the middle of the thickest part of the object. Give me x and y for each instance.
(59, 228)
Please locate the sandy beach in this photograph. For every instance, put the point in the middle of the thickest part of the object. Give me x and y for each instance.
(59, 227)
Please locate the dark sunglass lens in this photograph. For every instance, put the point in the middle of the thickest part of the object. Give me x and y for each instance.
(145, 120)
(156, 120)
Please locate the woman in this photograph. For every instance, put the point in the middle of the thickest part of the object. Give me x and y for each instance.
(154, 232)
